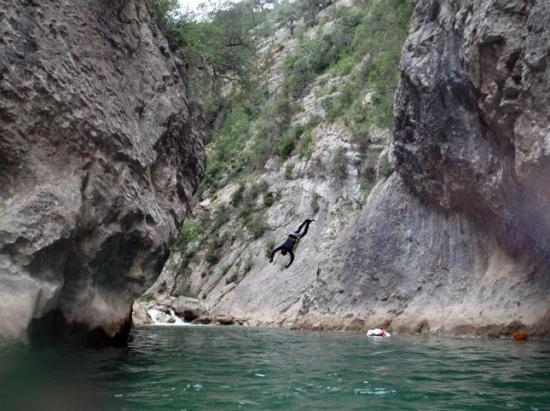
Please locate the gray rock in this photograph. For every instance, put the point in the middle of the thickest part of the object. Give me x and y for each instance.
(472, 125)
(203, 319)
(99, 154)
(189, 308)
(457, 240)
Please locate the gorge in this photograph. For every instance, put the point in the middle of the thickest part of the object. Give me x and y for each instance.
(452, 238)
(432, 221)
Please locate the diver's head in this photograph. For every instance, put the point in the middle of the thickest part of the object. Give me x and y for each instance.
(283, 252)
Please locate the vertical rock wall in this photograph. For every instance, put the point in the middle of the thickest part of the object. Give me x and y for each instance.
(472, 118)
(99, 155)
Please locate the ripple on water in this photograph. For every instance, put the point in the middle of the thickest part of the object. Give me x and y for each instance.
(251, 368)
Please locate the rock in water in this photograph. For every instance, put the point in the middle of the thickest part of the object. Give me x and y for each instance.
(99, 154)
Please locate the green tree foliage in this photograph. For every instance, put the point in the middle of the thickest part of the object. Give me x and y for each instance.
(222, 45)
(164, 13)
(247, 125)
(189, 232)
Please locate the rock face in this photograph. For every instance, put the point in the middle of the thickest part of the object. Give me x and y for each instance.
(99, 155)
(457, 240)
(473, 125)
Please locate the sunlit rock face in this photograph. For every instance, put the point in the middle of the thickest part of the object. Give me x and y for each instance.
(99, 154)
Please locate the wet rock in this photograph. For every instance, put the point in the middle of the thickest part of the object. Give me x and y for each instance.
(203, 319)
(225, 320)
(140, 315)
(189, 308)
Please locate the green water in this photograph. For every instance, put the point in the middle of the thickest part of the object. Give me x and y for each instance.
(230, 368)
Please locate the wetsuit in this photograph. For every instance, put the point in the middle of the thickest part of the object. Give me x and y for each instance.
(290, 243)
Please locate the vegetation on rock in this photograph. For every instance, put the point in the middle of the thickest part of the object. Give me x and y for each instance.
(343, 55)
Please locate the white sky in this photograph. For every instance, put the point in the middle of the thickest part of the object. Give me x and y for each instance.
(190, 4)
(193, 5)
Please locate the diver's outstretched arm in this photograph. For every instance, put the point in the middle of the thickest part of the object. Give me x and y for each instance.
(291, 258)
(273, 253)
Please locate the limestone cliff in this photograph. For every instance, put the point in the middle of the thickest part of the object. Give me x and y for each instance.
(99, 155)
(454, 242)
(472, 124)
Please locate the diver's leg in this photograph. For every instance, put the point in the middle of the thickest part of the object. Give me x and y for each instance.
(297, 232)
(306, 223)
(273, 253)
(291, 258)
(306, 228)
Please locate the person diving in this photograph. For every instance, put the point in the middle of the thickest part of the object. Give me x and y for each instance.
(291, 242)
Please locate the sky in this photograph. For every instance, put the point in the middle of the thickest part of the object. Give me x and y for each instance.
(190, 4)
(193, 4)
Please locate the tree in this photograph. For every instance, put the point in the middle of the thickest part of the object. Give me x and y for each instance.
(164, 12)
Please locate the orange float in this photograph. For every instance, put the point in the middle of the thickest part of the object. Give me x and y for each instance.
(520, 336)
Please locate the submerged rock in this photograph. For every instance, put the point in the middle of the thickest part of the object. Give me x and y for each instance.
(99, 154)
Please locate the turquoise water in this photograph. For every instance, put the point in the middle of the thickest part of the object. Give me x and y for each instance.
(231, 368)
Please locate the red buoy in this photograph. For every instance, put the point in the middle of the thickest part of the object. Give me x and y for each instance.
(520, 336)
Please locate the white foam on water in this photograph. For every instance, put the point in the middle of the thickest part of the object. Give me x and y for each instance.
(156, 315)
(177, 320)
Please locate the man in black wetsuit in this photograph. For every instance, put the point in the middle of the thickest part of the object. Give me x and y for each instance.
(291, 241)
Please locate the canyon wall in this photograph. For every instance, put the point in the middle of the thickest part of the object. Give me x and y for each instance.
(99, 156)
(452, 239)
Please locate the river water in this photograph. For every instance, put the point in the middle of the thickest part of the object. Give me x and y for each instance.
(231, 368)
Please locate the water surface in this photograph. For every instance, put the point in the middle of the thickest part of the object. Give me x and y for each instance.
(229, 368)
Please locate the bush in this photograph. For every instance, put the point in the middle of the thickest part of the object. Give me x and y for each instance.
(286, 145)
(305, 147)
(339, 164)
(212, 257)
(262, 150)
(146, 298)
(237, 195)
(256, 225)
(386, 170)
(298, 75)
(231, 279)
(344, 65)
(269, 246)
(222, 217)
(248, 263)
(315, 203)
(254, 191)
(269, 198)
(190, 230)
(288, 171)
